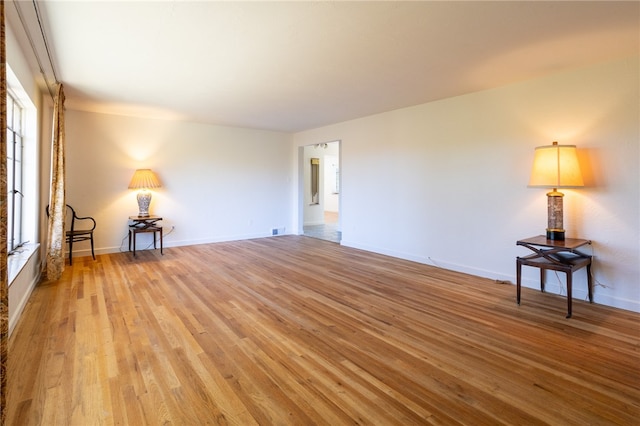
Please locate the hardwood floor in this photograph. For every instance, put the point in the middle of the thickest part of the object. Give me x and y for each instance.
(295, 330)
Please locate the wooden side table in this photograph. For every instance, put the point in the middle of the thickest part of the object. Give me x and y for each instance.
(556, 255)
(141, 224)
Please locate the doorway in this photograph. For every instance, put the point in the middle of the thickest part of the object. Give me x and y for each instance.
(321, 191)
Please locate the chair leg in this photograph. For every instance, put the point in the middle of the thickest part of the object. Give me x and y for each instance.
(93, 254)
(160, 240)
(71, 252)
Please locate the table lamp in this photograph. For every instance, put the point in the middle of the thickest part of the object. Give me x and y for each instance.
(555, 166)
(143, 179)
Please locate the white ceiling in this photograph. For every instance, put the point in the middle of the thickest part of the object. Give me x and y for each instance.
(292, 66)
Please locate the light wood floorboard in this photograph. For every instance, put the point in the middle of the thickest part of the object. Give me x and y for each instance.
(298, 331)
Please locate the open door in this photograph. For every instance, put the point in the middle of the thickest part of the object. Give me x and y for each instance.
(321, 191)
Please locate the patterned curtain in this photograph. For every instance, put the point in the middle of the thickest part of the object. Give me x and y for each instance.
(4, 280)
(57, 206)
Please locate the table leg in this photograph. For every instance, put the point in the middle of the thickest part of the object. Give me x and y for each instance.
(569, 292)
(542, 277)
(590, 283)
(518, 277)
(161, 240)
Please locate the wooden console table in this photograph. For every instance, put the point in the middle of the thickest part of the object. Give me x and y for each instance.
(141, 224)
(558, 256)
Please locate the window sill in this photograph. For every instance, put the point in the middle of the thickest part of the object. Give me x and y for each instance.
(19, 259)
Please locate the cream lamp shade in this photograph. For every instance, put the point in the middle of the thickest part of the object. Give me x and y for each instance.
(144, 179)
(555, 166)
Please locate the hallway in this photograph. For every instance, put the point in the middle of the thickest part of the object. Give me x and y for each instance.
(328, 231)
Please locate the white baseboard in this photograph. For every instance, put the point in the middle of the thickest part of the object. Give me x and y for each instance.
(551, 286)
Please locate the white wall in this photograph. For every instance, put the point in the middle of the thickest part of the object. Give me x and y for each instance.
(219, 183)
(445, 182)
(19, 61)
(331, 165)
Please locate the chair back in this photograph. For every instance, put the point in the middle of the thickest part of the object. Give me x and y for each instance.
(70, 218)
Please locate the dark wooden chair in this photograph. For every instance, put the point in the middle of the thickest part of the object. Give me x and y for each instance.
(73, 234)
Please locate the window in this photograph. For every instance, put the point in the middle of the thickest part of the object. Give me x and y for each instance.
(22, 176)
(15, 122)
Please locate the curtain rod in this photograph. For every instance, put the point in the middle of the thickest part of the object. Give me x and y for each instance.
(33, 47)
(44, 39)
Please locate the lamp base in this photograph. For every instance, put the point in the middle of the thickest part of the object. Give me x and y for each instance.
(555, 234)
(144, 199)
(555, 228)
